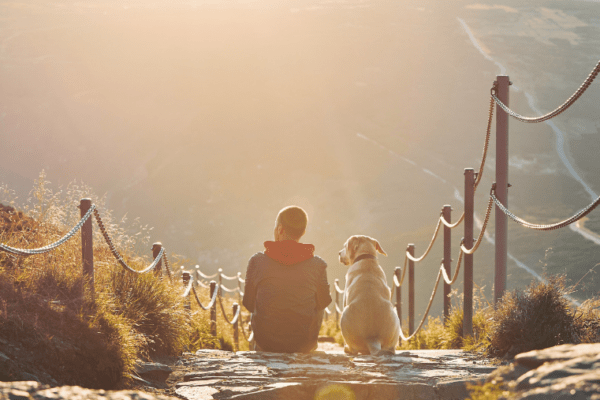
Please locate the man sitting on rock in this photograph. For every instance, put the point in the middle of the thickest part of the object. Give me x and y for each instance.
(286, 288)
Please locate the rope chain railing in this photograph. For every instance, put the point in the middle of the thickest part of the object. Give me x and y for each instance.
(560, 109)
(217, 297)
(234, 319)
(212, 300)
(441, 219)
(229, 290)
(50, 247)
(398, 281)
(118, 256)
(167, 267)
(442, 272)
(229, 278)
(579, 215)
(207, 276)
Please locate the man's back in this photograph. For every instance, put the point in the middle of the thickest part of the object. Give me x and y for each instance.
(287, 301)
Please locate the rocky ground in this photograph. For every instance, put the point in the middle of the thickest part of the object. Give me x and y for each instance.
(561, 372)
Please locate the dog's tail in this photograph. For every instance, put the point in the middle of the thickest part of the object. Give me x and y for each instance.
(374, 346)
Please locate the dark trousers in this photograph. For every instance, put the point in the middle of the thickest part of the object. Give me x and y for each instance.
(279, 346)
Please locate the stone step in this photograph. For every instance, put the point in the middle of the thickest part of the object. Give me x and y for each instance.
(416, 374)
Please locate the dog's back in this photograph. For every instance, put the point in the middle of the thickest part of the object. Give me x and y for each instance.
(369, 322)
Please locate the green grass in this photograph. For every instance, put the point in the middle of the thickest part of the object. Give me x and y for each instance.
(436, 334)
(331, 329)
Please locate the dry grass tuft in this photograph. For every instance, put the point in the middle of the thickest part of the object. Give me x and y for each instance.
(541, 317)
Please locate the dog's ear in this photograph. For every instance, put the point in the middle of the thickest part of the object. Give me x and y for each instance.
(353, 244)
(378, 247)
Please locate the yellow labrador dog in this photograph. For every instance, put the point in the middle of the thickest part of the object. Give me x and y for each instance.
(369, 322)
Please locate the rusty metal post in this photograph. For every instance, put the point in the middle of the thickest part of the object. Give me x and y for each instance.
(236, 333)
(156, 247)
(186, 281)
(468, 260)
(411, 290)
(213, 310)
(398, 274)
(87, 246)
(337, 295)
(502, 84)
(447, 215)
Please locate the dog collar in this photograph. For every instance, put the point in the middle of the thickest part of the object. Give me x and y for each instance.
(363, 256)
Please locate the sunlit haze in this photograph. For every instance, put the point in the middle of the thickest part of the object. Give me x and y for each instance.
(205, 118)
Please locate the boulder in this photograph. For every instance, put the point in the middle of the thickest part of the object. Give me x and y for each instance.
(153, 371)
(560, 372)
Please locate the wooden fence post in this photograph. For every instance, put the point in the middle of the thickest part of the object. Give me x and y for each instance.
(468, 269)
(87, 245)
(156, 248)
(213, 310)
(186, 281)
(447, 215)
(411, 290)
(236, 334)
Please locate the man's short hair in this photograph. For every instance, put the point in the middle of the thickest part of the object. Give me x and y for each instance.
(294, 220)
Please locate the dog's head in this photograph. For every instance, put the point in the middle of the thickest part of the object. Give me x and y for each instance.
(358, 245)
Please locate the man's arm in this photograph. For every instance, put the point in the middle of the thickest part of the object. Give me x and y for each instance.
(249, 298)
(323, 295)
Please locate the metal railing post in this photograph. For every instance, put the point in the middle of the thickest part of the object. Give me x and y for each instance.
(186, 281)
(502, 84)
(468, 243)
(337, 295)
(236, 333)
(213, 310)
(156, 247)
(87, 245)
(398, 274)
(411, 290)
(447, 215)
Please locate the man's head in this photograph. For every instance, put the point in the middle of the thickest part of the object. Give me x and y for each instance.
(290, 223)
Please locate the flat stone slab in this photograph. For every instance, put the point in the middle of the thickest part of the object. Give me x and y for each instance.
(422, 374)
(27, 390)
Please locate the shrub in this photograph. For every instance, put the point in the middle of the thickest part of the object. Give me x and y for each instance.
(536, 318)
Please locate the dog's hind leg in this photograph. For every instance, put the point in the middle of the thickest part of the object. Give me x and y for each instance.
(350, 351)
